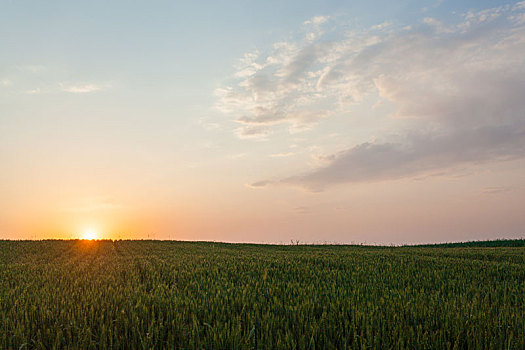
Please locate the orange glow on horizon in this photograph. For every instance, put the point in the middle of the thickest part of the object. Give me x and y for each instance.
(90, 235)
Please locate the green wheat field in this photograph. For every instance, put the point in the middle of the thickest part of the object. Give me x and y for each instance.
(197, 295)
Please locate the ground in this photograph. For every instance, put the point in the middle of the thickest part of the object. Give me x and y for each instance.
(155, 294)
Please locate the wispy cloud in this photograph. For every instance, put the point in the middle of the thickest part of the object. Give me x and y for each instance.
(256, 132)
(281, 155)
(278, 87)
(302, 210)
(39, 79)
(34, 91)
(495, 190)
(259, 184)
(458, 86)
(82, 88)
(68, 88)
(435, 5)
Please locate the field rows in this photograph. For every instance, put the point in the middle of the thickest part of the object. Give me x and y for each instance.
(148, 294)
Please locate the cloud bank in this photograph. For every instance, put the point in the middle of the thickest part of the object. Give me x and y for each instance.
(461, 86)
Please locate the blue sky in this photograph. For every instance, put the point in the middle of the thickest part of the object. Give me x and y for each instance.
(190, 40)
(262, 121)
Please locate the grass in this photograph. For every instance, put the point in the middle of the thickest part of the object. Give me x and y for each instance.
(153, 294)
(486, 244)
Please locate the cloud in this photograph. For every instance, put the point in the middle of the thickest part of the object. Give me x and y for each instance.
(496, 190)
(281, 155)
(302, 210)
(317, 20)
(456, 88)
(259, 132)
(34, 91)
(433, 6)
(278, 87)
(39, 79)
(419, 154)
(69, 88)
(382, 26)
(259, 184)
(82, 88)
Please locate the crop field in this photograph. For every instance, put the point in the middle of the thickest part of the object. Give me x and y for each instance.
(182, 295)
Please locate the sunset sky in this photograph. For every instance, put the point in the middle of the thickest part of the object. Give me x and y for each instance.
(263, 121)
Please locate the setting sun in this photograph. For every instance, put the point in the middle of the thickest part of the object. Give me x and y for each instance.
(90, 235)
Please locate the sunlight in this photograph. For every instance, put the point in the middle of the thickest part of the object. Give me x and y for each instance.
(90, 235)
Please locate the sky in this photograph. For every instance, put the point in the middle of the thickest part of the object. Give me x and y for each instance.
(379, 122)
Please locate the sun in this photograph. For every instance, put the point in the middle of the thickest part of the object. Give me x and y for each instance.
(90, 235)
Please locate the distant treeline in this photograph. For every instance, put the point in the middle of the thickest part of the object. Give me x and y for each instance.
(493, 243)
